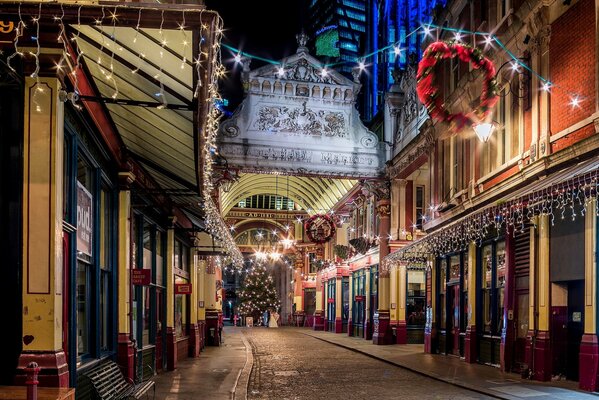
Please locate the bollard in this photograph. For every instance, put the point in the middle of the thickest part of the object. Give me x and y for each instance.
(32, 371)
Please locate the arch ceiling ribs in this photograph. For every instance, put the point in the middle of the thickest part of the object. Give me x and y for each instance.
(313, 194)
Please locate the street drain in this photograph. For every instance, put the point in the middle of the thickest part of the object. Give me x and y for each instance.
(220, 370)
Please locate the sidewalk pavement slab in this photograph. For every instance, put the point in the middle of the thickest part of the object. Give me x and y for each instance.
(214, 375)
(481, 378)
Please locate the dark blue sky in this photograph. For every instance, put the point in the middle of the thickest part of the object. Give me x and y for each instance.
(265, 28)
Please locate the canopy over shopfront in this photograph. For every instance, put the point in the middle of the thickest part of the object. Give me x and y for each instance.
(146, 74)
(556, 193)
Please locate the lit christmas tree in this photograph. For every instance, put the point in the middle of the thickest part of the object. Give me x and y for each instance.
(257, 293)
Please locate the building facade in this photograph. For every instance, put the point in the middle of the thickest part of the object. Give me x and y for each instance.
(105, 260)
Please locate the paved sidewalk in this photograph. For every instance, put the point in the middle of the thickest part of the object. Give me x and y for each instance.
(480, 378)
(219, 372)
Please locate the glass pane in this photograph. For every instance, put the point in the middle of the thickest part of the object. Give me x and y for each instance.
(442, 276)
(465, 280)
(486, 311)
(177, 252)
(146, 315)
(82, 310)
(179, 315)
(443, 308)
(159, 259)
(487, 264)
(104, 302)
(500, 316)
(454, 268)
(345, 291)
(105, 228)
(522, 323)
(501, 267)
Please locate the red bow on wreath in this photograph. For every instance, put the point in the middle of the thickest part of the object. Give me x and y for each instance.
(428, 90)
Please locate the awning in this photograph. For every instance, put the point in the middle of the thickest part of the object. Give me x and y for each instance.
(565, 186)
(146, 74)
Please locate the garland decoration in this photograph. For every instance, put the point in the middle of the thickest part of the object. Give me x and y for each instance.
(428, 89)
(320, 228)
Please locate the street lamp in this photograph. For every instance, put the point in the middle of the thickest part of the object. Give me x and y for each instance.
(484, 130)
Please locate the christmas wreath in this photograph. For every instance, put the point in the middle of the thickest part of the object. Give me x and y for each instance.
(428, 90)
(320, 228)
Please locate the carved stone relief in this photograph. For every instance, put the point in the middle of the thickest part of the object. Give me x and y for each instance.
(304, 121)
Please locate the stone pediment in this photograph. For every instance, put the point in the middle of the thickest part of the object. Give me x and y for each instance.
(302, 68)
(300, 121)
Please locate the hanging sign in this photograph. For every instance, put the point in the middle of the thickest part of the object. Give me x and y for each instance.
(141, 277)
(330, 300)
(358, 298)
(182, 288)
(84, 220)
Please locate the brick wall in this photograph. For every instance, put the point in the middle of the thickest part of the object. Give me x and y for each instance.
(572, 64)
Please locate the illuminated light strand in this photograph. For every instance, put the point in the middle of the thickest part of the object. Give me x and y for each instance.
(19, 32)
(140, 55)
(184, 43)
(160, 80)
(113, 37)
(35, 73)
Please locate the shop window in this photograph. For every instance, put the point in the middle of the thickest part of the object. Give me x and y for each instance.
(493, 268)
(442, 289)
(313, 263)
(145, 297)
(416, 298)
(345, 292)
(106, 252)
(84, 274)
(82, 309)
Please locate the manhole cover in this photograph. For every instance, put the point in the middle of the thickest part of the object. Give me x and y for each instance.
(286, 373)
(220, 370)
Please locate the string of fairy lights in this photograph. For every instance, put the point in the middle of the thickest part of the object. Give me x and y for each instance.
(214, 222)
(563, 201)
(430, 31)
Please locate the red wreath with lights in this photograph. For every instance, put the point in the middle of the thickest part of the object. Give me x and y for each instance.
(428, 90)
(320, 228)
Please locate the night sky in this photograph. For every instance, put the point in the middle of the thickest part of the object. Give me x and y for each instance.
(264, 28)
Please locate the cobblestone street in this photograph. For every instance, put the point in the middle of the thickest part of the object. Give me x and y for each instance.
(291, 365)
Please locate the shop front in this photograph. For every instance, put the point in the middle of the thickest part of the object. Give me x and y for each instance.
(492, 273)
(415, 304)
(356, 326)
(452, 303)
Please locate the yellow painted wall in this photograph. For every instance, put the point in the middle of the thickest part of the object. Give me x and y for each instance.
(201, 274)
(543, 273)
(401, 299)
(42, 214)
(394, 292)
(590, 268)
(124, 267)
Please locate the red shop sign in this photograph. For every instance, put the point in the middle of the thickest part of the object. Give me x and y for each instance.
(330, 300)
(359, 298)
(182, 288)
(141, 277)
